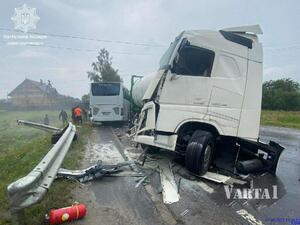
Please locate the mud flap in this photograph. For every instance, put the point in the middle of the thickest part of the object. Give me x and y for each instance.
(268, 154)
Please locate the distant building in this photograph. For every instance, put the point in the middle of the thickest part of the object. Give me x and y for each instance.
(32, 93)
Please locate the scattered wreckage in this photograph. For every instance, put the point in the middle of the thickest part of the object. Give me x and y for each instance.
(94, 172)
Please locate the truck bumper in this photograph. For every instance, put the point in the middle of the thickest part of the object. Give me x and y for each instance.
(161, 141)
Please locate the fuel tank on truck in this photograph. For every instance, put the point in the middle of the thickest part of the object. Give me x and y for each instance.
(144, 88)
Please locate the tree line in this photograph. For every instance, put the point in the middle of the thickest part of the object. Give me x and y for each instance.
(282, 94)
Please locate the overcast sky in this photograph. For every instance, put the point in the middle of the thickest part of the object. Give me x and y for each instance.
(65, 61)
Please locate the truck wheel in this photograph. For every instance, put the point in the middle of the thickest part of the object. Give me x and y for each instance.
(199, 151)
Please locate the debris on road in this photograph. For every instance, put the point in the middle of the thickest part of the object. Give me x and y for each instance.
(250, 218)
(184, 212)
(169, 186)
(222, 179)
(141, 181)
(160, 163)
(93, 172)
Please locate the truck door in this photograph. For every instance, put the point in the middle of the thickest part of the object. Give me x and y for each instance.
(188, 85)
(227, 94)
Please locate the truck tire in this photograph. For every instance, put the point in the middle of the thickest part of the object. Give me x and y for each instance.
(199, 152)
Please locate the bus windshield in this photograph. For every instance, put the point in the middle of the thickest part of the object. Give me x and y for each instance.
(105, 89)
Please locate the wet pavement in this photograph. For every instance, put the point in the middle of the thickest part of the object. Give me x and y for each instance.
(116, 200)
(288, 173)
(113, 200)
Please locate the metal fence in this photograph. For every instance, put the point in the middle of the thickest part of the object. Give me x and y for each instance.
(30, 189)
(38, 126)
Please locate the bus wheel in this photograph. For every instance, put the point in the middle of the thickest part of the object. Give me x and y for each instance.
(199, 152)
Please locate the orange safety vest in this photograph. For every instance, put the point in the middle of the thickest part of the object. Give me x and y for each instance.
(77, 112)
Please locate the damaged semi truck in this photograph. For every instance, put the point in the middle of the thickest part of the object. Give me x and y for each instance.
(205, 101)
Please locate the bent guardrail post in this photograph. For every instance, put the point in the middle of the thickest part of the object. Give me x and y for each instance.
(39, 126)
(30, 189)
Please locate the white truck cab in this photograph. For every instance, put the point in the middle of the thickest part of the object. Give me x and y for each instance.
(208, 86)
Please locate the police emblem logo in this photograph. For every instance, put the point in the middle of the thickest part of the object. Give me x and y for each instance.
(25, 18)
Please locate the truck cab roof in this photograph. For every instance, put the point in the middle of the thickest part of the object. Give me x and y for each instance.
(236, 40)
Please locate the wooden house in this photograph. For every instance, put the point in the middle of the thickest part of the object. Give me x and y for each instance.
(32, 93)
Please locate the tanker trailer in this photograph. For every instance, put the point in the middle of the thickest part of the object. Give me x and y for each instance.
(205, 101)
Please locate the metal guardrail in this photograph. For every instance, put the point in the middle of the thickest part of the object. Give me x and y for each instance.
(30, 189)
(39, 126)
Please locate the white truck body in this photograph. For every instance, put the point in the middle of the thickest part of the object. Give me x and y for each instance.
(225, 97)
(107, 102)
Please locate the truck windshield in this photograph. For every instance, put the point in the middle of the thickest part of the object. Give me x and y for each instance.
(105, 89)
(165, 59)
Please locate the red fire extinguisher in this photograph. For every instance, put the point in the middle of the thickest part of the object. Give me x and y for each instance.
(67, 214)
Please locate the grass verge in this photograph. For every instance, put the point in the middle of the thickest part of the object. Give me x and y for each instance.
(281, 118)
(18, 156)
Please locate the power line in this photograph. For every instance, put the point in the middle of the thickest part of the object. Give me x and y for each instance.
(267, 48)
(87, 38)
(89, 50)
(75, 49)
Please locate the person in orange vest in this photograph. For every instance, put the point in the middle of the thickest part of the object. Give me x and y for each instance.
(78, 114)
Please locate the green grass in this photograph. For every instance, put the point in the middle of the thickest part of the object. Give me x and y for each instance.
(289, 119)
(13, 135)
(21, 148)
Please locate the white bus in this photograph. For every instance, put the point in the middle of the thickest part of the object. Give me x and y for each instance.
(108, 102)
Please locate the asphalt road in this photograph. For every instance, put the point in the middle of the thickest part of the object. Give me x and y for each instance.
(115, 200)
(288, 173)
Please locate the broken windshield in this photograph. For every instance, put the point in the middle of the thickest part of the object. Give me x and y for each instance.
(165, 59)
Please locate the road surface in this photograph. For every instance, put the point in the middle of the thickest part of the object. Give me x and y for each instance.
(115, 200)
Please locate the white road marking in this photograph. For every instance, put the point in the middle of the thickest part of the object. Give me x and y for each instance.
(250, 218)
